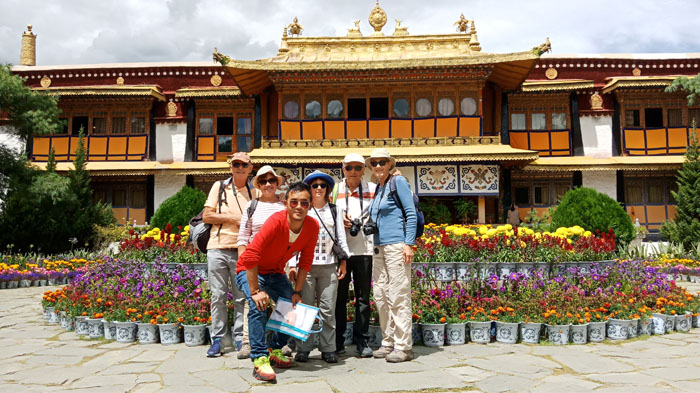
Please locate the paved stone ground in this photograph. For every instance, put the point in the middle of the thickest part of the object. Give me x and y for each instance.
(36, 357)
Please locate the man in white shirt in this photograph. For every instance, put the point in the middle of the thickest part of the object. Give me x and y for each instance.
(353, 197)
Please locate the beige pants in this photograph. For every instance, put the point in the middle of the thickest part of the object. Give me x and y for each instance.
(222, 279)
(392, 295)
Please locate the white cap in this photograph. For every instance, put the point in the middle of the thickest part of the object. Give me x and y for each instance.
(353, 157)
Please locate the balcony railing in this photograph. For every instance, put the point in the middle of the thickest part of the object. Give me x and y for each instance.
(547, 142)
(655, 141)
(99, 147)
(383, 142)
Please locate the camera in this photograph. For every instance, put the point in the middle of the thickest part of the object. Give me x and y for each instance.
(355, 226)
(370, 228)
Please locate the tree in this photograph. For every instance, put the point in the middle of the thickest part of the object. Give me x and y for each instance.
(688, 85)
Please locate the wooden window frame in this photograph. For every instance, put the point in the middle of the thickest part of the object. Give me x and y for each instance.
(214, 113)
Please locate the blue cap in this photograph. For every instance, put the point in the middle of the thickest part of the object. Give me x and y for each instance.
(319, 175)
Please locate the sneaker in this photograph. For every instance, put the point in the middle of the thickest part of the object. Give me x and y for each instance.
(329, 357)
(340, 351)
(215, 349)
(382, 352)
(287, 350)
(278, 359)
(243, 350)
(302, 357)
(262, 370)
(398, 356)
(364, 352)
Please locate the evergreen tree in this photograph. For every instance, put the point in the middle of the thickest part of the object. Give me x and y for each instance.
(685, 228)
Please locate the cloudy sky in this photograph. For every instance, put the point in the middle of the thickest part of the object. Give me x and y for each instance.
(107, 31)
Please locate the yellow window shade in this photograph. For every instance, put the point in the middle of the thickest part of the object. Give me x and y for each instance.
(335, 129)
(41, 148)
(656, 138)
(60, 148)
(677, 137)
(137, 215)
(117, 146)
(137, 147)
(424, 128)
(357, 129)
(672, 212)
(637, 212)
(469, 126)
(312, 130)
(539, 141)
(401, 128)
(634, 139)
(291, 130)
(98, 148)
(518, 140)
(560, 140)
(120, 214)
(446, 127)
(656, 213)
(379, 129)
(205, 145)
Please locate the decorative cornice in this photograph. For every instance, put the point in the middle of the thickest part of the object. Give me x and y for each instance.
(638, 82)
(103, 91)
(556, 85)
(194, 92)
(627, 163)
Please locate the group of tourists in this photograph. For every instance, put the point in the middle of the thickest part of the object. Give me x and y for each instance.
(307, 246)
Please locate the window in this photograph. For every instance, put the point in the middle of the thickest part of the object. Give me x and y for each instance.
(632, 118)
(335, 109)
(424, 107)
(517, 121)
(401, 108)
(80, 122)
(675, 118)
(118, 197)
(559, 191)
(446, 107)
(224, 125)
(138, 125)
(559, 121)
(694, 115)
(653, 117)
(634, 194)
(99, 123)
(99, 195)
(655, 193)
(138, 198)
(468, 106)
(291, 110)
(206, 125)
(539, 121)
(313, 110)
(542, 196)
(119, 125)
(522, 195)
(224, 144)
(244, 131)
(357, 108)
(378, 108)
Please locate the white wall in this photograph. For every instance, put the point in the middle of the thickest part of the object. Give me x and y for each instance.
(603, 181)
(597, 136)
(170, 142)
(166, 186)
(10, 140)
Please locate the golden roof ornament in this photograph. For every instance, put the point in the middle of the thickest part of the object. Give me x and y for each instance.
(295, 28)
(474, 40)
(462, 24)
(400, 30)
(546, 47)
(377, 19)
(355, 31)
(284, 47)
(27, 55)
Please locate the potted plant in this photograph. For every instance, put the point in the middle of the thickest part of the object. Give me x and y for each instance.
(194, 322)
(507, 323)
(479, 325)
(432, 322)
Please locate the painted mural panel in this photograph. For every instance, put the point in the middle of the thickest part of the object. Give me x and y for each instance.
(437, 179)
(479, 179)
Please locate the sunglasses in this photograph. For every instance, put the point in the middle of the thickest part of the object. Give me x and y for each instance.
(293, 203)
(239, 165)
(319, 185)
(270, 180)
(356, 167)
(378, 163)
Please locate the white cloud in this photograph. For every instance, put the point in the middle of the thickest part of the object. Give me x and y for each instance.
(87, 31)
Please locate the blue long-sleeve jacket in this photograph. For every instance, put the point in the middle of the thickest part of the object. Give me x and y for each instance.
(388, 216)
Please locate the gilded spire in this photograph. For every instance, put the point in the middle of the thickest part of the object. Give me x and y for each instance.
(27, 56)
(462, 24)
(474, 40)
(377, 19)
(284, 47)
(295, 28)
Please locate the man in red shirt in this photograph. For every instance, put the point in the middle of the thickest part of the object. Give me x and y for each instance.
(260, 274)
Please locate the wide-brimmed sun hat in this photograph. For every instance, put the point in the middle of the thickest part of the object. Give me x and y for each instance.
(382, 153)
(319, 175)
(264, 170)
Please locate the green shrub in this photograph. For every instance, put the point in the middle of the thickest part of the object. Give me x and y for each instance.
(435, 211)
(593, 211)
(465, 209)
(179, 208)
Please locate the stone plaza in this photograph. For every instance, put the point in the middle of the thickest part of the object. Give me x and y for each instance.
(38, 357)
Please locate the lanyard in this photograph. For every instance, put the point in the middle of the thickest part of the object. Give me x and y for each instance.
(347, 192)
(386, 184)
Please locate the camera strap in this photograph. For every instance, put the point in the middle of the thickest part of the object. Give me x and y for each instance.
(347, 198)
(320, 219)
(386, 184)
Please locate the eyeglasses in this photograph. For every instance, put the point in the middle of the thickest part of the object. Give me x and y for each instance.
(378, 163)
(356, 167)
(271, 180)
(319, 185)
(239, 165)
(293, 203)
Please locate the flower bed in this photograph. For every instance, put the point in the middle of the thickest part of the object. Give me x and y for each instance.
(441, 243)
(156, 244)
(16, 272)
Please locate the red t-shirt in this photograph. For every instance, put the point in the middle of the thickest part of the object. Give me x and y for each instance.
(270, 249)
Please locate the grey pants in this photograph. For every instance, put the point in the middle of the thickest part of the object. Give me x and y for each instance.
(222, 277)
(322, 284)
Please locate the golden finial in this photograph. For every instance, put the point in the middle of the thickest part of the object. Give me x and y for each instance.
(355, 31)
(546, 47)
(400, 30)
(27, 55)
(462, 24)
(295, 28)
(377, 19)
(474, 40)
(283, 46)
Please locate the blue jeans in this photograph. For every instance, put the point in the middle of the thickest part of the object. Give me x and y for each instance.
(275, 285)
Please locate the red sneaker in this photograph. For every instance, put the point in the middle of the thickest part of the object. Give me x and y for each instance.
(262, 370)
(278, 359)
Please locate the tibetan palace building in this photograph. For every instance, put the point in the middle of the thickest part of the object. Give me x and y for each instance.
(496, 129)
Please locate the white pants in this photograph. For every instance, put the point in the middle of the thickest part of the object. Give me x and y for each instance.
(392, 296)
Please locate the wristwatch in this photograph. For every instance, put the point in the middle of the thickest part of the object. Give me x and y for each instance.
(296, 293)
